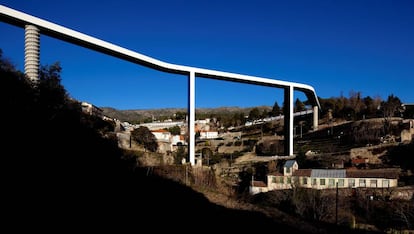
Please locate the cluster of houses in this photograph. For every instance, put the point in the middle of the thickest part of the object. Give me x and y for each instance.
(325, 178)
(167, 142)
(291, 177)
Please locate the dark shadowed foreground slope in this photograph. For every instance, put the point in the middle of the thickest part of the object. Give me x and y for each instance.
(101, 202)
(60, 173)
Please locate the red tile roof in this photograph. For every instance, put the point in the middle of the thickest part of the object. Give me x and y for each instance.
(275, 173)
(389, 173)
(259, 183)
(302, 172)
(359, 160)
(159, 130)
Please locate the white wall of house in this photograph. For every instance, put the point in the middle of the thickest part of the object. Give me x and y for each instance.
(175, 139)
(256, 189)
(279, 182)
(208, 135)
(288, 171)
(203, 121)
(162, 135)
(288, 182)
(91, 109)
(160, 125)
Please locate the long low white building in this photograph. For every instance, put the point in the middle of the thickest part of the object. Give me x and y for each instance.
(326, 178)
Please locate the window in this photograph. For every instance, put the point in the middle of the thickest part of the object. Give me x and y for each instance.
(373, 183)
(322, 182)
(362, 183)
(273, 179)
(385, 183)
(305, 180)
(331, 182)
(289, 181)
(281, 180)
(314, 182)
(287, 169)
(351, 183)
(295, 180)
(341, 183)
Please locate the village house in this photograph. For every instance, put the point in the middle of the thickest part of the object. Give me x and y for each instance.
(326, 178)
(91, 109)
(208, 134)
(166, 141)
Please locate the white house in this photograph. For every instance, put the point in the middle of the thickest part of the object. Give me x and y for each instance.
(208, 134)
(162, 135)
(91, 109)
(168, 142)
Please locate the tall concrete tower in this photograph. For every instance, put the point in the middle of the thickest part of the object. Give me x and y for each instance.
(32, 52)
(315, 118)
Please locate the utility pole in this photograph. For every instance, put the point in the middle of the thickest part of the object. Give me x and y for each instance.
(336, 205)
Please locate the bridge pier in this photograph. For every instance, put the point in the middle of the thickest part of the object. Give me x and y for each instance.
(32, 52)
(288, 120)
(315, 118)
(191, 117)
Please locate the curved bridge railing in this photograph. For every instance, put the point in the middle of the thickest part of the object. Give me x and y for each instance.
(22, 19)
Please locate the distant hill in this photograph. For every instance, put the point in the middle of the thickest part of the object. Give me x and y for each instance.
(142, 114)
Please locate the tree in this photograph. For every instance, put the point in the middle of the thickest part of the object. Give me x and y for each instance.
(237, 119)
(355, 103)
(340, 106)
(299, 106)
(254, 114)
(275, 110)
(370, 108)
(180, 115)
(21, 101)
(6, 65)
(403, 214)
(313, 204)
(207, 155)
(180, 154)
(391, 107)
(176, 130)
(145, 137)
(52, 95)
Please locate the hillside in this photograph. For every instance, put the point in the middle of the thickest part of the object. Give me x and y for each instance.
(63, 171)
(143, 114)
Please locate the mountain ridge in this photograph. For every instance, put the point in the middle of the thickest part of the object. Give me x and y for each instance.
(137, 115)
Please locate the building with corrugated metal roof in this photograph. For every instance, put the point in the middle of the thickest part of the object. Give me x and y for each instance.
(328, 178)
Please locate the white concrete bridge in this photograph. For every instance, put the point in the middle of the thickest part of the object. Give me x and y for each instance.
(35, 26)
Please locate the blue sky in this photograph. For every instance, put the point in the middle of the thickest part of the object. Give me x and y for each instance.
(337, 47)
